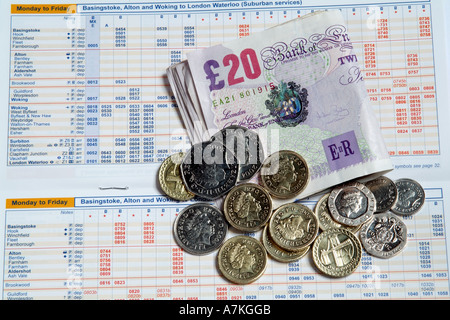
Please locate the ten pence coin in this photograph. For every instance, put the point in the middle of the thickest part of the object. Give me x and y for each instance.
(200, 228)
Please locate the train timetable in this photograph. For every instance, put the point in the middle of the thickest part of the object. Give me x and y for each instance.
(88, 84)
(123, 248)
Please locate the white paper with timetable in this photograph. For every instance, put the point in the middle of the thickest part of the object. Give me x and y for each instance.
(88, 117)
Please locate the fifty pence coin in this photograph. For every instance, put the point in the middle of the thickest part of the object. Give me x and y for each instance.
(293, 226)
(411, 197)
(324, 216)
(285, 174)
(385, 193)
(337, 252)
(351, 204)
(242, 259)
(246, 147)
(248, 207)
(209, 170)
(384, 236)
(170, 180)
(200, 229)
(278, 253)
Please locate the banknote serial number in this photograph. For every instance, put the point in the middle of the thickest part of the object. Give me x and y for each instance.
(247, 60)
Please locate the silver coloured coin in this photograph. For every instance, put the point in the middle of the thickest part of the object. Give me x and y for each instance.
(384, 236)
(200, 229)
(209, 170)
(385, 193)
(411, 197)
(246, 147)
(324, 216)
(351, 204)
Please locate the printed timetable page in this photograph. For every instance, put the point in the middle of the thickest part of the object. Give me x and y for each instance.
(88, 117)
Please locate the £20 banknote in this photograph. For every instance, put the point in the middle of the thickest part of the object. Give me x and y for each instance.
(299, 85)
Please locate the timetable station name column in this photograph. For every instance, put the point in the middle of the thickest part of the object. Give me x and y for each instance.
(47, 86)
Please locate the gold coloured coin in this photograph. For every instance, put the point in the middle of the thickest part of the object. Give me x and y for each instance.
(293, 226)
(248, 207)
(337, 252)
(278, 253)
(170, 180)
(242, 259)
(285, 174)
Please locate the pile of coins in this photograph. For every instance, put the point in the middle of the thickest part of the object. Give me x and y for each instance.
(222, 168)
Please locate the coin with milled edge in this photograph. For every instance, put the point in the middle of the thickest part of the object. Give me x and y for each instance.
(337, 252)
(242, 259)
(200, 228)
(293, 226)
(285, 174)
(324, 216)
(248, 207)
(209, 170)
(384, 236)
(246, 147)
(385, 193)
(351, 204)
(411, 197)
(170, 180)
(278, 253)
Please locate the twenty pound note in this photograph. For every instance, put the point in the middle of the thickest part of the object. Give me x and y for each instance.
(300, 87)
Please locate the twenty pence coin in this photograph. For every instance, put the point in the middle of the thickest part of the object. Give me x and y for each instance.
(293, 226)
(242, 259)
(170, 180)
(323, 215)
(351, 204)
(285, 174)
(248, 207)
(337, 252)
